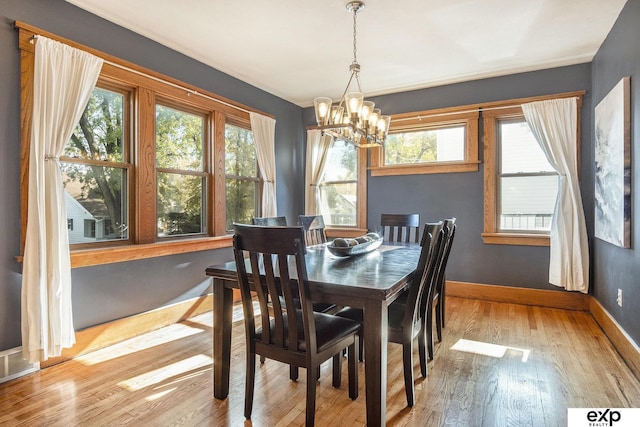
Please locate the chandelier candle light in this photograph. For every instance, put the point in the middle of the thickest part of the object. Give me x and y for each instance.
(353, 119)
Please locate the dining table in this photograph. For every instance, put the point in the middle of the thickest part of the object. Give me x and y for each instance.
(370, 281)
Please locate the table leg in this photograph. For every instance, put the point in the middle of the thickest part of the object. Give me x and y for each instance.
(375, 361)
(222, 325)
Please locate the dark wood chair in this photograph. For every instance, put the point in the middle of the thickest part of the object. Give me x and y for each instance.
(270, 221)
(400, 227)
(313, 226)
(296, 336)
(438, 296)
(405, 318)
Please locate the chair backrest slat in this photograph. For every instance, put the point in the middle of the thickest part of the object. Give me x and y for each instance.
(400, 227)
(313, 226)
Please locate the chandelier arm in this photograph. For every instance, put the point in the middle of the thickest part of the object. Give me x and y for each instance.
(347, 87)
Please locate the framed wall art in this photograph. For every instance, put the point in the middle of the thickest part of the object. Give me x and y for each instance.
(613, 166)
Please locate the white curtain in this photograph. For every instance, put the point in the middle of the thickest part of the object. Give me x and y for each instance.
(318, 147)
(554, 124)
(64, 78)
(264, 129)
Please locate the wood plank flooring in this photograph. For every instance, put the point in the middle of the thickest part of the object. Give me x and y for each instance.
(498, 365)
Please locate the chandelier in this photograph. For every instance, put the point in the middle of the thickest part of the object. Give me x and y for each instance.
(353, 119)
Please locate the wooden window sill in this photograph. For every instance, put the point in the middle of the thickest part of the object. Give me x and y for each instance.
(519, 239)
(418, 169)
(108, 255)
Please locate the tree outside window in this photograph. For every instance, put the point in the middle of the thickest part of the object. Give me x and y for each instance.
(243, 183)
(180, 172)
(95, 171)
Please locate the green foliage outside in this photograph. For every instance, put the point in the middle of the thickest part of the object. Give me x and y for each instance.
(99, 136)
(411, 147)
(179, 148)
(241, 170)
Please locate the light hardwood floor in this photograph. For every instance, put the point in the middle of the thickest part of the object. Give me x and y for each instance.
(498, 365)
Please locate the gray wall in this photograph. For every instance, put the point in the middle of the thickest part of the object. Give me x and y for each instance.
(437, 196)
(613, 267)
(112, 291)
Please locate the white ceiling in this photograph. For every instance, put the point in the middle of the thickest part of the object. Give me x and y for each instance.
(301, 49)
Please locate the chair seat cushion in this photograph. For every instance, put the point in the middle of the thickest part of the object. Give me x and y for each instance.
(329, 329)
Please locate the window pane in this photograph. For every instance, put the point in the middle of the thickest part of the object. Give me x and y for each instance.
(338, 189)
(99, 134)
(342, 163)
(239, 152)
(527, 202)
(339, 204)
(96, 203)
(242, 177)
(180, 206)
(179, 139)
(425, 146)
(519, 150)
(241, 201)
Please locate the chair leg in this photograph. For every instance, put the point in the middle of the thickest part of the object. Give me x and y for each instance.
(407, 366)
(439, 319)
(422, 350)
(353, 370)
(249, 384)
(442, 301)
(293, 372)
(311, 396)
(262, 359)
(429, 330)
(361, 347)
(337, 370)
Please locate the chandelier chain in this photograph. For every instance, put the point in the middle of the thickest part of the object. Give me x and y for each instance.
(356, 69)
(355, 34)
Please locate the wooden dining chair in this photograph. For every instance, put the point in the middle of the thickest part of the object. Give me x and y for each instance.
(438, 297)
(400, 227)
(270, 221)
(295, 336)
(313, 226)
(405, 316)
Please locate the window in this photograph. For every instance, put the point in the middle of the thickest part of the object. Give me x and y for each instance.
(243, 184)
(95, 168)
(180, 172)
(145, 168)
(434, 141)
(527, 183)
(343, 187)
(520, 186)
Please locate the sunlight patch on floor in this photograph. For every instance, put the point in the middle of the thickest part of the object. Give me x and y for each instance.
(166, 373)
(152, 339)
(488, 349)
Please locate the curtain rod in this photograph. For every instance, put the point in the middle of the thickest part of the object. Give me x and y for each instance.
(471, 110)
(163, 81)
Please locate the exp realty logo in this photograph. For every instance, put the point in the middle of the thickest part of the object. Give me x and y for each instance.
(603, 417)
